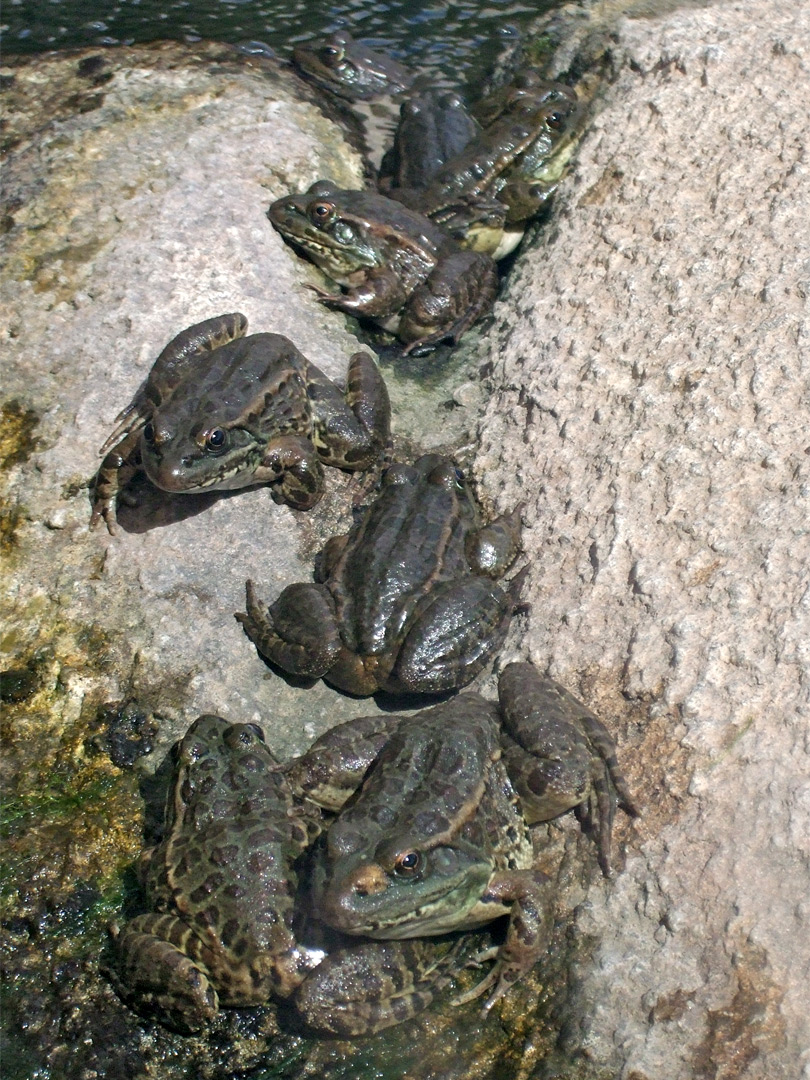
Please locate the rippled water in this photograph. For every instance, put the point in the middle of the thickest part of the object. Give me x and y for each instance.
(457, 39)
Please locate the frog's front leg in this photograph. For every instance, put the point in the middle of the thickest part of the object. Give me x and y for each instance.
(298, 632)
(120, 464)
(351, 430)
(461, 288)
(529, 893)
(159, 970)
(369, 987)
(456, 630)
(292, 466)
(377, 294)
(559, 755)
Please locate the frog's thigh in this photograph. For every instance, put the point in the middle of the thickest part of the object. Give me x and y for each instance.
(547, 754)
(155, 972)
(461, 626)
(458, 291)
(298, 632)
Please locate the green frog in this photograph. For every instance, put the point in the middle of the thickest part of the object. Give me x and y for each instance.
(220, 411)
(433, 128)
(396, 267)
(223, 927)
(486, 194)
(351, 69)
(435, 837)
(405, 602)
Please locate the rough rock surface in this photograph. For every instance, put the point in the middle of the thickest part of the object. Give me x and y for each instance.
(649, 404)
(652, 364)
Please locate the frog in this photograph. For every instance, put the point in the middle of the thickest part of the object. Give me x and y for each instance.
(434, 126)
(220, 411)
(395, 266)
(435, 836)
(223, 927)
(221, 884)
(351, 69)
(407, 601)
(485, 195)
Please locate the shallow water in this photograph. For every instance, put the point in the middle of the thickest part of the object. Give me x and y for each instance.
(458, 40)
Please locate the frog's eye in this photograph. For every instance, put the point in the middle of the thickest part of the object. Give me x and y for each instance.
(460, 478)
(149, 433)
(408, 864)
(333, 52)
(215, 440)
(320, 212)
(555, 121)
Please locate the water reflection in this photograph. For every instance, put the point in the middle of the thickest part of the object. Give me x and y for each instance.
(458, 40)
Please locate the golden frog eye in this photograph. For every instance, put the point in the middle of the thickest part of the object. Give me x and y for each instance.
(149, 433)
(319, 212)
(408, 864)
(555, 121)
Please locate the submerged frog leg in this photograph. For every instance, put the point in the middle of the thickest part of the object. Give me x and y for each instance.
(526, 938)
(456, 630)
(559, 755)
(298, 632)
(461, 288)
(353, 430)
(292, 467)
(116, 470)
(160, 971)
(365, 988)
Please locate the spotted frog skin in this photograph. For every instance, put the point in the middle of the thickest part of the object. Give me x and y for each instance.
(406, 601)
(351, 69)
(396, 267)
(221, 884)
(220, 411)
(222, 888)
(436, 837)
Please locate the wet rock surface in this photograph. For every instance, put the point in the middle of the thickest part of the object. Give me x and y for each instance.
(647, 369)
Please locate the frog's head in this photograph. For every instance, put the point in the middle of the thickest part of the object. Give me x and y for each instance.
(405, 888)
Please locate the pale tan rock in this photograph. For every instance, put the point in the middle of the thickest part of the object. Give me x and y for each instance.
(652, 363)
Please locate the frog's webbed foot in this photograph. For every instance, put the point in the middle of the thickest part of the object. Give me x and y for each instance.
(298, 632)
(116, 470)
(157, 973)
(526, 938)
(324, 295)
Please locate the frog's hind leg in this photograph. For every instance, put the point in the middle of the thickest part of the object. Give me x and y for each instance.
(160, 972)
(455, 631)
(298, 632)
